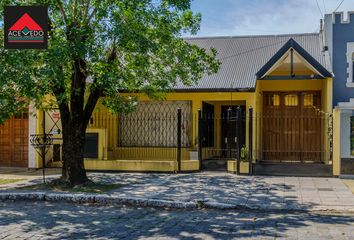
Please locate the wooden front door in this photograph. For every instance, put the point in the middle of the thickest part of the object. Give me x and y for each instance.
(14, 142)
(292, 126)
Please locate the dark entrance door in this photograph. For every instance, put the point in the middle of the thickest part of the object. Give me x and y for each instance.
(230, 131)
(222, 135)
(207, 125)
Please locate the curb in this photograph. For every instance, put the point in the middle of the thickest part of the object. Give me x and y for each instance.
(292, 208)
(104, 200)
(100, 199)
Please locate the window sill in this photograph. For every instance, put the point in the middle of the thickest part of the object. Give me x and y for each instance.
(350, 84)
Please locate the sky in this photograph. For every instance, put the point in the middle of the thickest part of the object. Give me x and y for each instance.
(264, 17)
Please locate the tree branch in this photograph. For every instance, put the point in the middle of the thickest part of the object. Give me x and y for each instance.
(90, 105)
(63, 107)
(96, 93)
(78, 85)
(87, 8)
(61, 8)
(91, 15)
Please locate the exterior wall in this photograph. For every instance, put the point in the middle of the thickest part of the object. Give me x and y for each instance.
(338, 33)
(336, 142)
(138, 165)
(39, 130)
(345, 133)
(103, 119)
(14, 143)
(112, 157)
(139, 159)
(32, 120)
(324, 85)
(217, 98)
(343, 160)
(339, 37)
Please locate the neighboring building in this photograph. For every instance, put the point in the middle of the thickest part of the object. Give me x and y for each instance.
(339, 35)
(285, 79)
(14, 142)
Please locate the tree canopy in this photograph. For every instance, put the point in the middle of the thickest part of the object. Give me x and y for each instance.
(123, 45)
(98, 49)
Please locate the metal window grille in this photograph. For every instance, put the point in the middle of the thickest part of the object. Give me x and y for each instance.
(154, 124)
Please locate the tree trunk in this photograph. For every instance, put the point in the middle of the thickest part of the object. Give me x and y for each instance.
(73, 171)
(74, 121)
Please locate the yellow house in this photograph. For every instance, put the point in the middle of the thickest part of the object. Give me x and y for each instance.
(267, 111)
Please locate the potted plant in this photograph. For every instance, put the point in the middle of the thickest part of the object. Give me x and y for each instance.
(244, 160)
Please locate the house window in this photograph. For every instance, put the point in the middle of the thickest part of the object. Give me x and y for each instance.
(291, 100)
(352, 135)
(272, 100)
(353, 67)
(308, 100)
(276, 100)
(154, 124)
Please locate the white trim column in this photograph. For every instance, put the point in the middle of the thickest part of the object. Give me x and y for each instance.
(32, 120)
(350, 52)
(343, 139)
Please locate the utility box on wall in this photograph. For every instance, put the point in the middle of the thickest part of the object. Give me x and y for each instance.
(91, 145)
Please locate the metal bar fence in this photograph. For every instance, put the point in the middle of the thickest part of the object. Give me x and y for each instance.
(292, 138)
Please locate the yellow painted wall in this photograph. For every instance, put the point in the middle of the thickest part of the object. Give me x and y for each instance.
(290, 85)
(138, 165)
(327, 108)
(102, 118)
(323, 85)
(249, 99)
(109, 151)
(336, 141)
(281, 86)
(149, 153)
(102, 141)
(39, 130)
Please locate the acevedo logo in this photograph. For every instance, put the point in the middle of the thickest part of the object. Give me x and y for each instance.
(26, 27)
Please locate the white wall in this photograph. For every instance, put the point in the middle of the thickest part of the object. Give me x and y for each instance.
(345, 133)
(31, 130)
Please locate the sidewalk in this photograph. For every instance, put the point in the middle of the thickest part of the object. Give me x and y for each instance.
(349, 183)
(248, 191)
(223, 190)
(25, 177)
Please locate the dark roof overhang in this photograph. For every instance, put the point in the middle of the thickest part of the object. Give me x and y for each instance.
(292, 44)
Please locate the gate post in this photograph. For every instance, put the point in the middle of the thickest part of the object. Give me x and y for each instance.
(250, 139)
(200, 148)
(228, 141)
(179, 139)
(238, 134)
(43, 153)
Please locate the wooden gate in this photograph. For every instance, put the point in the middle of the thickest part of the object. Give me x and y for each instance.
(14, 142)
(292, 127)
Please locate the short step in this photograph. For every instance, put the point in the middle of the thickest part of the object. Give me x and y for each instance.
(293, 169)
(214, 165)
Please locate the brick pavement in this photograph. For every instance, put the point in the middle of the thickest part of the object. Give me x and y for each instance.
(43, 220)
(252, 191)
(265, 192)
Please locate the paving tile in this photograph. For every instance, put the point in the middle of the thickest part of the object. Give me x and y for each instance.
(229, 188)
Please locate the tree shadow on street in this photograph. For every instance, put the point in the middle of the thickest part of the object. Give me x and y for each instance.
(63, 220)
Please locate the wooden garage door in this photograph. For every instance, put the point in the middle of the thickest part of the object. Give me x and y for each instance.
(292, 127)
(14, 142)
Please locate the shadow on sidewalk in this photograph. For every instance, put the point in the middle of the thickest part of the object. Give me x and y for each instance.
(81, 221)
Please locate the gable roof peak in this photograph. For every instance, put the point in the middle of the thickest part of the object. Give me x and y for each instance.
(292, 44)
